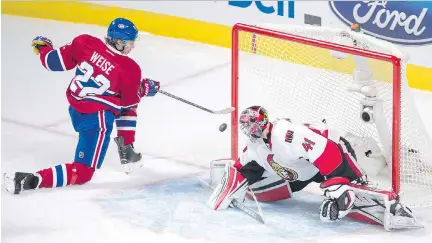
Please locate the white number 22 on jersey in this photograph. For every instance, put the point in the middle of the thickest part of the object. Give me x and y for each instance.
(88, 71)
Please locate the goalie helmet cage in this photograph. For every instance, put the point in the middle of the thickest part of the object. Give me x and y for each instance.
(354, 82)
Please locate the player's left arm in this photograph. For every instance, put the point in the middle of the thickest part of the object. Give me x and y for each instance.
(61, 59)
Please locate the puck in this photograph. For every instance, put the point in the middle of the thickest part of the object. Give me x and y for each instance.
(223, 127)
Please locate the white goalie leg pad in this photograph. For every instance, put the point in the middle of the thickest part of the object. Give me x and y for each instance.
(369, 207)
(381, 207)
(339, 199)
(217, 170)
(232, 186)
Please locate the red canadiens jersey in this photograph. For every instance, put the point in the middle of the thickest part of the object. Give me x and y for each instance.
(104, 79)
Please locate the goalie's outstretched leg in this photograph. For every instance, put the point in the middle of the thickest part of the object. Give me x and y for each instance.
(365, 204)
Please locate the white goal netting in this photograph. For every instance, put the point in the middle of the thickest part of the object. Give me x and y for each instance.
(308, 83)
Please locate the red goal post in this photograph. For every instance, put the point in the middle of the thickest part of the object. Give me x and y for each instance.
(255, 31)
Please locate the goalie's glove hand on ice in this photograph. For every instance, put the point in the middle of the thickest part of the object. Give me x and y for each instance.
(149, 87)
(127, 152)
(339, 199)
(40, 42)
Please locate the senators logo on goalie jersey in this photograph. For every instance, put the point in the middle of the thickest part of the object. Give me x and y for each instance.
(285, 173)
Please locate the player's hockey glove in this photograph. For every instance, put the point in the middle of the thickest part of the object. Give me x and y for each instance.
(126, 152)
(40, 42)
(149, 87)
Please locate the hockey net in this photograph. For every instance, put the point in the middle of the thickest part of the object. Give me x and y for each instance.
(309, 73)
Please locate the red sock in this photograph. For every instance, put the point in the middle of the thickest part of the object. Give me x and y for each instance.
(65, 174)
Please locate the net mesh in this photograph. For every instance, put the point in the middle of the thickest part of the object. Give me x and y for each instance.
(307, 83)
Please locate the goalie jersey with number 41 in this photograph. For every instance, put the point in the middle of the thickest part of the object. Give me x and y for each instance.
(294, 143)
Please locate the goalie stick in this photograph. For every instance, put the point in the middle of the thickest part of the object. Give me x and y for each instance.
(235, 203)
(223, 111)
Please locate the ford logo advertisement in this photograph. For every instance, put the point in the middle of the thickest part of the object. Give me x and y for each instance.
(403, 22)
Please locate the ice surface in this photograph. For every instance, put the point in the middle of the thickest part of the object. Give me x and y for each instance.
(162, 202)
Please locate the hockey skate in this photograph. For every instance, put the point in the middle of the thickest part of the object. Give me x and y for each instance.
(19, 181)
(129, 159)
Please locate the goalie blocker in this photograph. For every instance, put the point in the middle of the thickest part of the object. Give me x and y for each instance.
(368, 205)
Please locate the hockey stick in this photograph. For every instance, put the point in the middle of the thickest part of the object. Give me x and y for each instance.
(235, 203)
(224, 111)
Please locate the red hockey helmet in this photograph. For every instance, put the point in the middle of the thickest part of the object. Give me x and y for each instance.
(253, 121)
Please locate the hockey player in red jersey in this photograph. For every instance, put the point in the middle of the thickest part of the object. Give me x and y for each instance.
(300, 154)
(106, 89)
